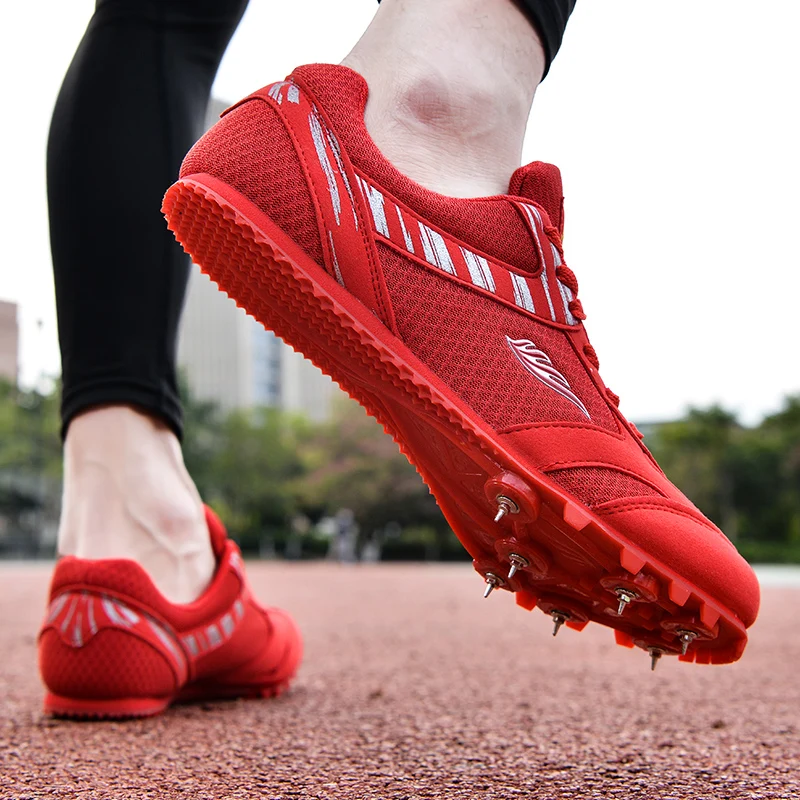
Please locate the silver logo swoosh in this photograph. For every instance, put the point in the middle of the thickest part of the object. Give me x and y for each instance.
(538, 363)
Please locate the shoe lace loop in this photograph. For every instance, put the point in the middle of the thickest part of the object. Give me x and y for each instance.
(591, 355)
(567, 277)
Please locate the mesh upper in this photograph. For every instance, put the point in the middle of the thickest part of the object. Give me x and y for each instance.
(457, 333)
(596, 485)
(268, 176)
(501, 232)
(114, 664)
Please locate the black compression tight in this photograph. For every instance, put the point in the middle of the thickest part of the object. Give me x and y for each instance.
(132, 103)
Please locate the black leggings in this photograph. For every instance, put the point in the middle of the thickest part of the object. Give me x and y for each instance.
(132, 103)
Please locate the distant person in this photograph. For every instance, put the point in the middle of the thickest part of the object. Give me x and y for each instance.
(347, 225)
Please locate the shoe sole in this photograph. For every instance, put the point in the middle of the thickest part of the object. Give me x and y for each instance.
(124, 708)
(140, 707)
(574, 563)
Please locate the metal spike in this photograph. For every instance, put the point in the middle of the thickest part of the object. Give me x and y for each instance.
(505, 505)
(492, 582)
(517, 563)
(655, 655)
(559, 617)
(625, 597)
(686, 637)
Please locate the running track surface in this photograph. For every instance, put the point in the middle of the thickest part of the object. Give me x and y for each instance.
(415, 687)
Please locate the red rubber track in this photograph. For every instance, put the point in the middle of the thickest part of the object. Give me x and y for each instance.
(575, 560)
(414, 688)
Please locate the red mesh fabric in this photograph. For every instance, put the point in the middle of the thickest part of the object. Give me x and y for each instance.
(127, 579)
(542, 183)
(250, 150)
(461, 336)
(491, 225)
(596, 485)
(113, 665)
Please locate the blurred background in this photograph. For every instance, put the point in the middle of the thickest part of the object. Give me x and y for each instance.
(676, 130)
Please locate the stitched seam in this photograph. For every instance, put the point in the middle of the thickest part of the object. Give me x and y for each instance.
(573, 425)
(461, 243)
(415, 259)
(654, 507)
(304, 161)
(557, 465)
(380, 292)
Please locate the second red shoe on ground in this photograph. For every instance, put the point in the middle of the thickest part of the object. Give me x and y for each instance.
(112, 646)
(456, 322)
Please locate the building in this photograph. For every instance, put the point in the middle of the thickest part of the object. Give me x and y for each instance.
(228, 358)
(9, 341)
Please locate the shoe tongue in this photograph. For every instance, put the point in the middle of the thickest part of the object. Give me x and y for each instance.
(541, 183)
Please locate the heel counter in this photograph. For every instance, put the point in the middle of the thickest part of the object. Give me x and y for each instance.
(278, 186)
(97, 647)
(113, 665)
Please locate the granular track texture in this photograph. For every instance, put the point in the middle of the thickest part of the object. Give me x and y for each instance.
(413, 687)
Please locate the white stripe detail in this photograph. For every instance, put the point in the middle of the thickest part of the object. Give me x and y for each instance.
(337, 155)
(132, 616)
(538, 363)
(77, 636)
(293, 94)
(190, 643)
(566, 299)
(522, 292)
(213, 635)
(406, 235)
(167, 641)
(90, 615)
(566, 293)
(335, 261)
(71, 611)
(238, 609)
(112, 609)
(531, 212)
(375, 200)
(479, 270)
(228, 625)
(436, 252)
(322, 154)
(56, 606)
(275, 92)
(546, 287)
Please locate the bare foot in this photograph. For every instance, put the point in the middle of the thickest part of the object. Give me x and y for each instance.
(127, 494)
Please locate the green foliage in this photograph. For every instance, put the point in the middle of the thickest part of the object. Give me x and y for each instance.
(270, 475)
(745, 479)
(29, 432)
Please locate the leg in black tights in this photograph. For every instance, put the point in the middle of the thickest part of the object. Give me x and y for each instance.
(132, 103)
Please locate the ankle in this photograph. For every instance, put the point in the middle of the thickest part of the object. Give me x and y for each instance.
(452, 118)
(127, 494)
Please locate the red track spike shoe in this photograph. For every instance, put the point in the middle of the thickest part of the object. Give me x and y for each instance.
(456, 323)
(113, 647)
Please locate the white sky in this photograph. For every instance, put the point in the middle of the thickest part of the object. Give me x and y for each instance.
(674, 122)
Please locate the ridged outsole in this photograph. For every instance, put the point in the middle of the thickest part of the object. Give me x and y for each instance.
(118, 709)
(575, 561)
(143, 707)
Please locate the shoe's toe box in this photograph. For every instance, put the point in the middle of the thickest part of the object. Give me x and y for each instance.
(690, 546)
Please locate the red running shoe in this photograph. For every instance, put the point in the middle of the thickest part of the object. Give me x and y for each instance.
(113, 647)
(456, 323)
